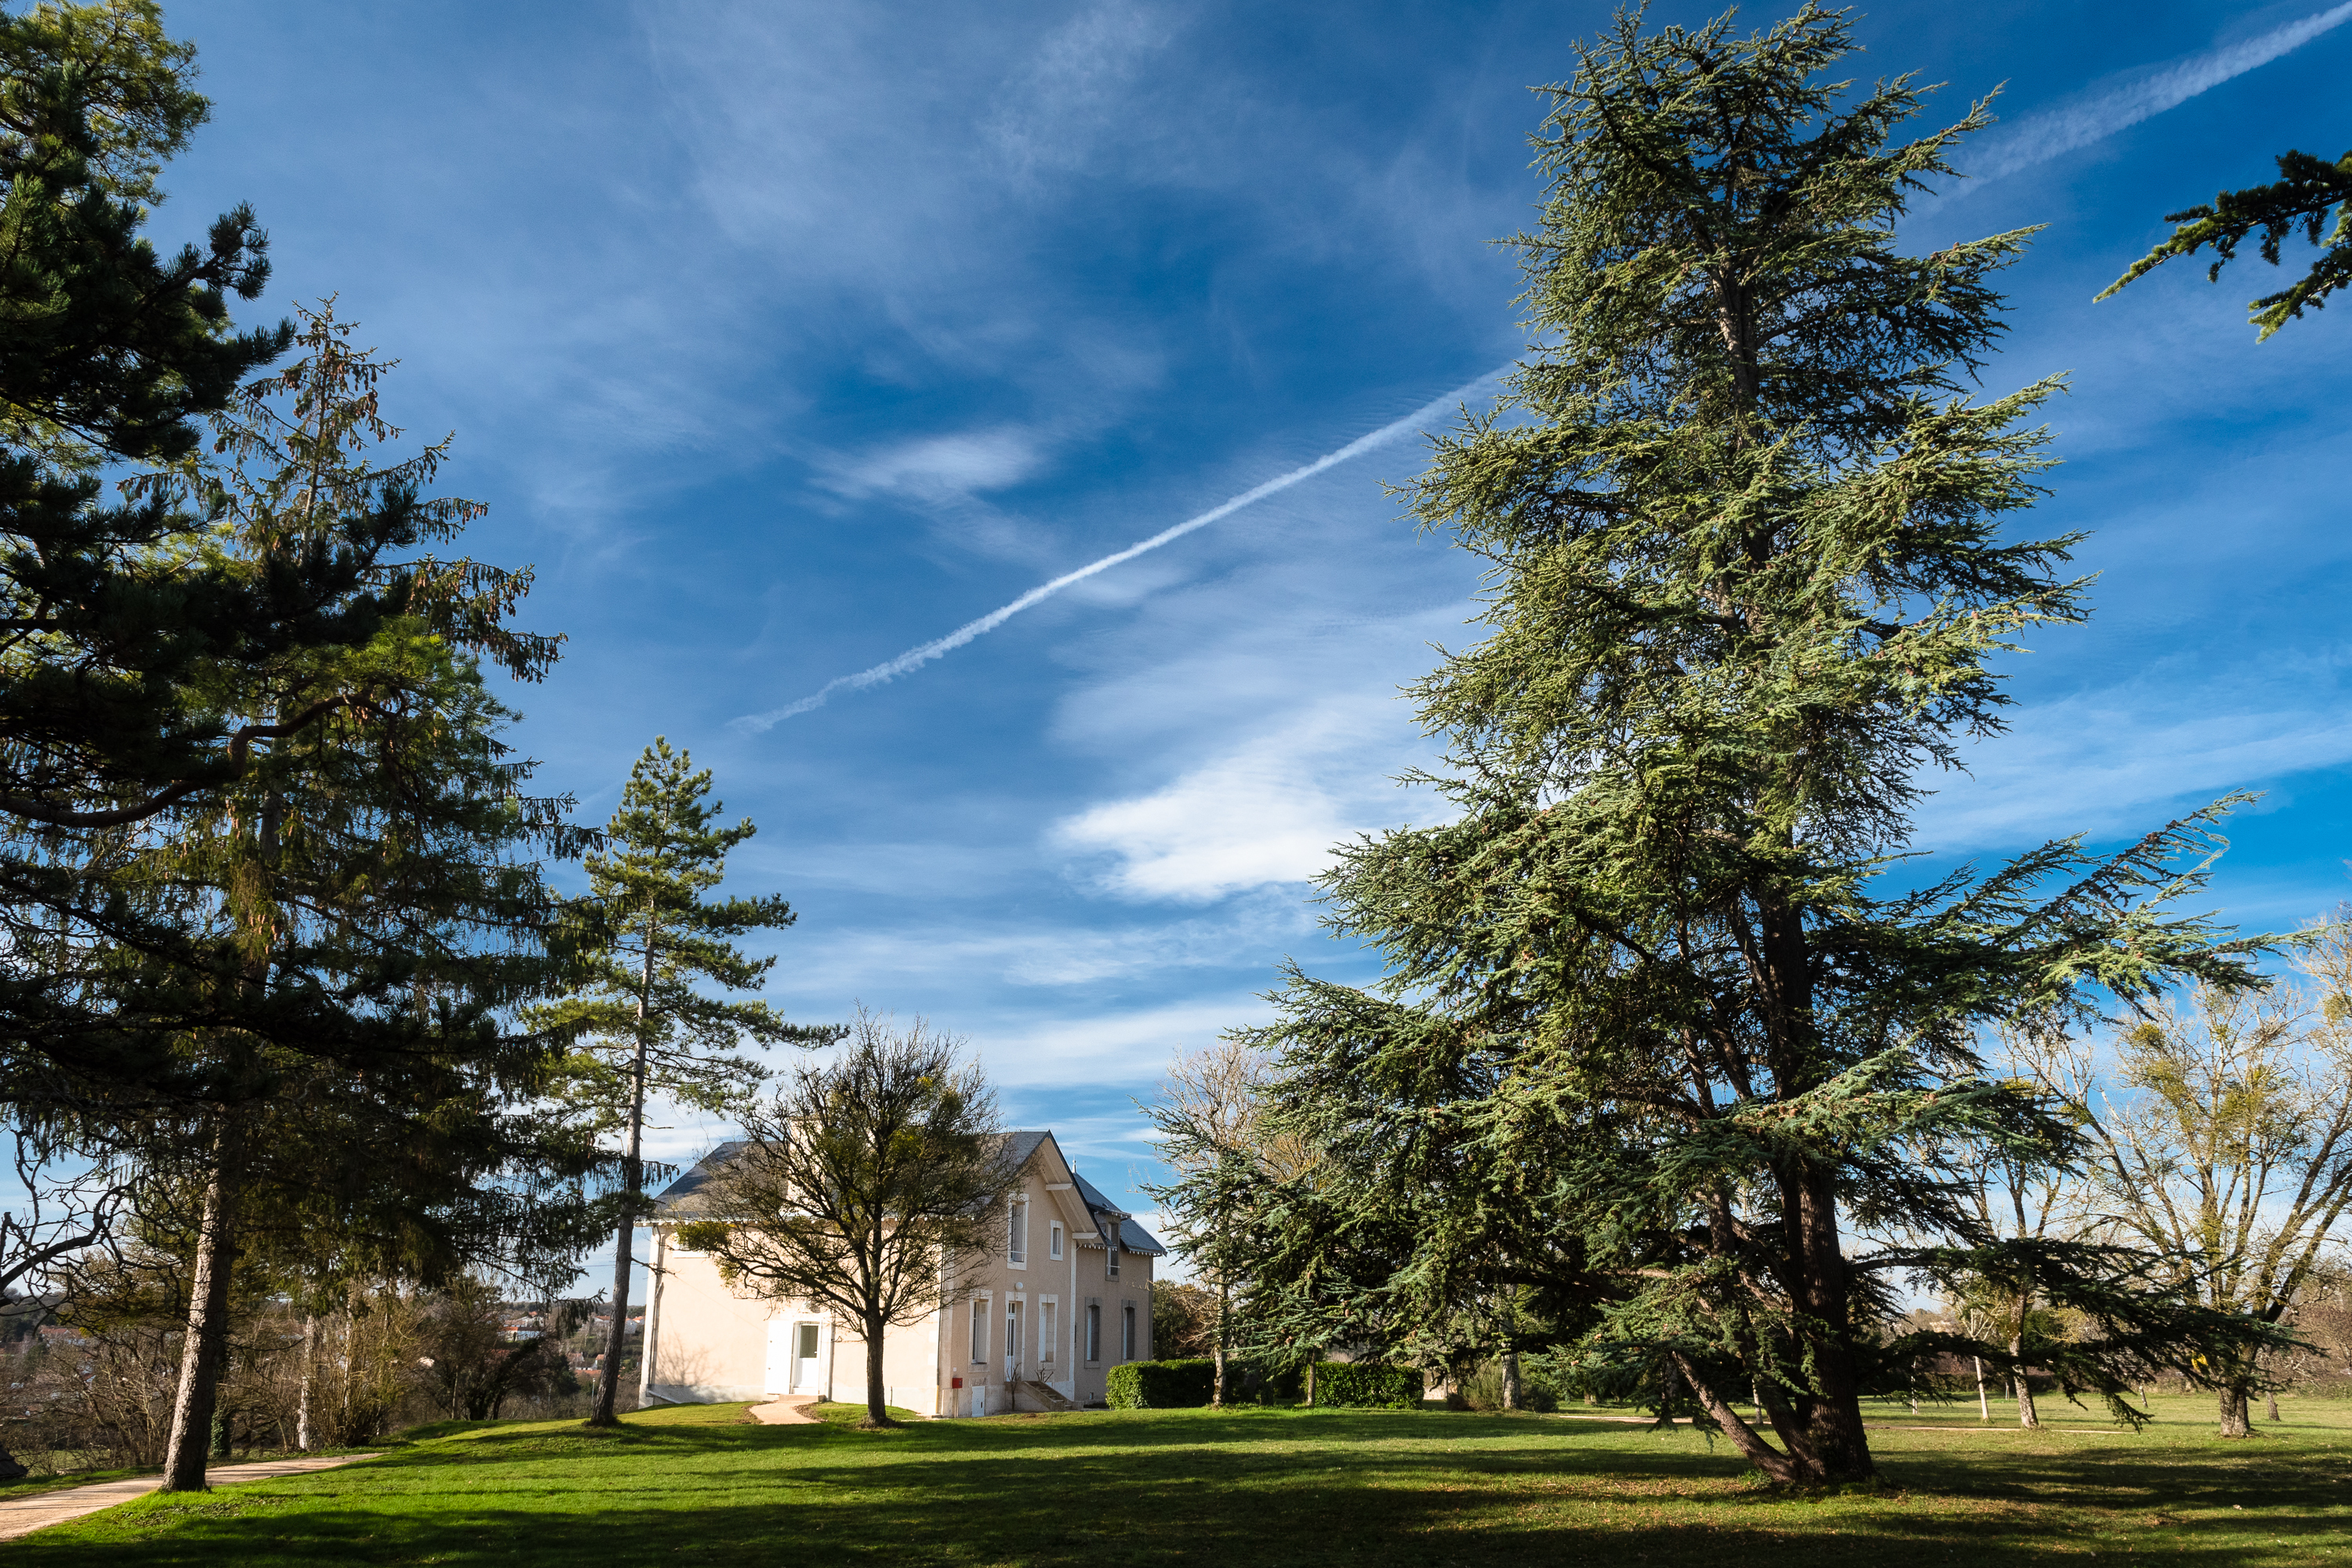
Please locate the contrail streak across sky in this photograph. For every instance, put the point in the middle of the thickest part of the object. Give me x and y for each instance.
(916, 658)
(2038, 137)
(2033, 140)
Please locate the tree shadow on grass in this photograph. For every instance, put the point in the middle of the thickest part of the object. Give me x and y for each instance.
(1300, 1490)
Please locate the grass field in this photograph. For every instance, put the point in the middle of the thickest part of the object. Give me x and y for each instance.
(697, 1483)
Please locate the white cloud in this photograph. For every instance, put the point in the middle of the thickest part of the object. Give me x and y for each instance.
(2118, 759)
(1128, 1049)
(1058, 106)
(1267, 812)
(940, 466)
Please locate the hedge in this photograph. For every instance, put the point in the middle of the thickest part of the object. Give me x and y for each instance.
(1368, 1385)
(1159, 1385)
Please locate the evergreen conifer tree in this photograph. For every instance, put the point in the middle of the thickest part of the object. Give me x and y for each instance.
(369, 888)
(2307, 190)
(112, 610)
(1666, 1050)
(649, 940)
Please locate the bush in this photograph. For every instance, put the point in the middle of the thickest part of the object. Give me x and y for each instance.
(1159, 1385)
(1367, 1385)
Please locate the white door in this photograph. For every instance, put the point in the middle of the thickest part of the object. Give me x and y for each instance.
(805, 1368)
(1011, 1341)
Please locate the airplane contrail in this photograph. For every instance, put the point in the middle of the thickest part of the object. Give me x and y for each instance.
(2033, 140)
(2037, 138)
(916, 658)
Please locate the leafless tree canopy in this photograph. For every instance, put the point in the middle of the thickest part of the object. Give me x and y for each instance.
(870, 1185)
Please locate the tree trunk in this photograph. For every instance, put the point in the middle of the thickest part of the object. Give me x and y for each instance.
(1827, 1436)
(2234, 1422)
(1311, 1385)
(1510, 1380)
(1984, 1408)
(633, 1175)
(877, 1411)
(205, 1346)
(2270, 1399)
(1224, 1305)
(1791, 1468)
(308, 1377)
(2020, 1384)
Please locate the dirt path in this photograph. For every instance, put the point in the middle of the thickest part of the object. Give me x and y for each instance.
(792, 1410)
(22, 1516)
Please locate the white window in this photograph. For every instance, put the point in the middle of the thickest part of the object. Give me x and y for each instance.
(1054, 1242)
(1126, 1335)
(1114, 1258)
(1016, 1243)
(1047, 1331)
(1094, 1332)
(980, 1330)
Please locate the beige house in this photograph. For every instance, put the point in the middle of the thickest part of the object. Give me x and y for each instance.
(1066, 1297)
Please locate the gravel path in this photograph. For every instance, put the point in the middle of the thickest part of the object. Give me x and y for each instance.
(22, 1516)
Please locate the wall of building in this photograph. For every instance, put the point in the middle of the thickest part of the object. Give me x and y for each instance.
(712, 1345)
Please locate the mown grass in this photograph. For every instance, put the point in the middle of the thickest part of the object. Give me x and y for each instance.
(1269, 1486)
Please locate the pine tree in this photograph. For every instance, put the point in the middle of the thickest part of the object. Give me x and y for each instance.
(2306, 191)
(112, 357)
(363, 905)
(649, 941)
(1664, 1048)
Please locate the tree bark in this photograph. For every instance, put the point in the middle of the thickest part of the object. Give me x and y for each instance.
(633, 1175)
(205, 1346)
(1224, 1310)
(1984, 1409)
(877, 1411)
(1788, 1468)
(2020, 1384)
(1510, 1380)
(2234, 1422)
(2270, 1399)
(1827, 1435)
(308, 1377)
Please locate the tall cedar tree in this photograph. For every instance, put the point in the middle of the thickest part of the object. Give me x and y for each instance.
(873, 1184)
(377, 869)
(1656, 1042)
(2307, 190)
(649, 941)
(113, 354)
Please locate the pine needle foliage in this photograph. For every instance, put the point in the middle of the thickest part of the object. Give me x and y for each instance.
(651, 945)
(2306, 191)
(1666, 1050)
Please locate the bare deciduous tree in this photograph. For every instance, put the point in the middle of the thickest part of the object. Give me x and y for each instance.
(2228, 1143)
(875, 1185)
(1207, 1114)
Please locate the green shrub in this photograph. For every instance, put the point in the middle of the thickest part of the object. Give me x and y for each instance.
(1368, 1385)
(1159, 1385)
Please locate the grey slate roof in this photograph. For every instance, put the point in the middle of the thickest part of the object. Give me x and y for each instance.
(1132, 1238)
(678, 1197)
(679, 1200)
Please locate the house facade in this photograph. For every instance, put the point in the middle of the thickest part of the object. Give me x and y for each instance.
(1065, 1297)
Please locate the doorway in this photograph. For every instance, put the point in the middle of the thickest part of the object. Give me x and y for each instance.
(1012, 1341)
(804, 1359)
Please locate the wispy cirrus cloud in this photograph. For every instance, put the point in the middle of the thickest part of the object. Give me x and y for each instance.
(914, 659)
(2049, 134)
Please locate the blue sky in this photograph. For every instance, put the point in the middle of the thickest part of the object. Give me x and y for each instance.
(784, 338)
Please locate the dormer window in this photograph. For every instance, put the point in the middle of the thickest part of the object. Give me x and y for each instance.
(1114, 1257)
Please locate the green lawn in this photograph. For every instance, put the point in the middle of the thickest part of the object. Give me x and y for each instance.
(698, 1484)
